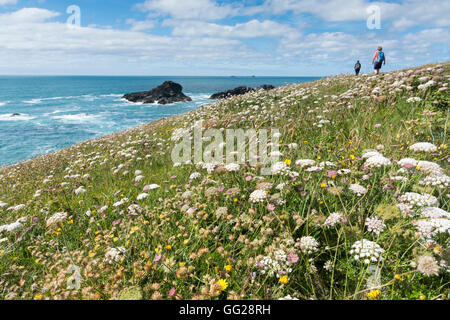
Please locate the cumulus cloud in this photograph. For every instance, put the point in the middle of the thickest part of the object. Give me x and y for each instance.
(5, 2)
(189, 9)
(140, 25)
(251, 29)
(29, 38)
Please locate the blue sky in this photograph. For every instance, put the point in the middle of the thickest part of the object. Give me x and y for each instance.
(212, 37)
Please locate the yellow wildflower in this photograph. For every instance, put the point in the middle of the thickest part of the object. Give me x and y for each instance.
(284, 280)
(223, 284)
(374, 294)
(228, 268)
(398, 277)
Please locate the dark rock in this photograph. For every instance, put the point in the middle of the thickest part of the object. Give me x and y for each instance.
(267, 87)
(168, 92)
(15, 115)
(239, 91)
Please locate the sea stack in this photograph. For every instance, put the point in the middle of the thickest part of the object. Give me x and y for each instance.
(168, 92)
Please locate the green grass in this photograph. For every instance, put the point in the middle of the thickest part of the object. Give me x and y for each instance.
(195, 247)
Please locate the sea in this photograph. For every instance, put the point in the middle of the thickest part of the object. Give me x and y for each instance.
(58, 111)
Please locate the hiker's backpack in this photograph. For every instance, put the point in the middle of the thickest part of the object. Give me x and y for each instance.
(380, 56)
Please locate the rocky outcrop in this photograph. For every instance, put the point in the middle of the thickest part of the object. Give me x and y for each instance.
(238, 91)
(168, 92)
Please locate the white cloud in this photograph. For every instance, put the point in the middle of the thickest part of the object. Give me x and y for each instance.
(4, 2)
(27, 15)
(405, 14)
(140, 25)
(189, 9)
(29, 41)
(250, 29)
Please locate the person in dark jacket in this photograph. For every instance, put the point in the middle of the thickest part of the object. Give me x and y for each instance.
(357, 67)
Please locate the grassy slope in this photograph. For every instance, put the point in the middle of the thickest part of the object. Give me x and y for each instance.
(195, 247)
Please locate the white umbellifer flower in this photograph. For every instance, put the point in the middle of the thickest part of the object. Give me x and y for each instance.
(57, 218)
(209, 167)
(328, 265)
(288, 297)
(114, 255)
(232, 167)
(195, 175)
(375, 225)
(138, 172)
(142, 196)
(327, 164)
(134, 209)
(13, 227)
(436, 180)
(3, 204)
(367, 251)
(428, 228)
(314, 169)
(429, 167)
(344, 171)
(151, 187)
(408, 161)
(370, 153)
(258, 196)
(16, 208)
(280, 168)
(276, 264)
(80, 190)
(413, 99)
(333, 219)
(419, 200)
(121, 202)
(281, 186)
(423, 147)
(305, 162)
(178, 134)
(275, 154)
(433, 212)
(405, 208)
(139, 178)
(377, 161)
(398, 178)
(102, 209)
(308, 244)
(357, 189)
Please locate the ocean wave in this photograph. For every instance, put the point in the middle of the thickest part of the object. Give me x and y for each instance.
(3, 104)
(33, 101)
(11, 117)
(82, 117)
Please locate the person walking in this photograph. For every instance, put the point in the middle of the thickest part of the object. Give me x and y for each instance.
(357, 67)
(378, 59)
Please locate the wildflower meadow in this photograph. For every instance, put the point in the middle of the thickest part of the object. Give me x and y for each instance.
(356, 208)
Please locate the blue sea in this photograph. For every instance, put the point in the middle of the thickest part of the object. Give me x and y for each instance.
(59, 111)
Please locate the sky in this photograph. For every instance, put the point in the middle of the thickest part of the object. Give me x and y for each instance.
(218, 38)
